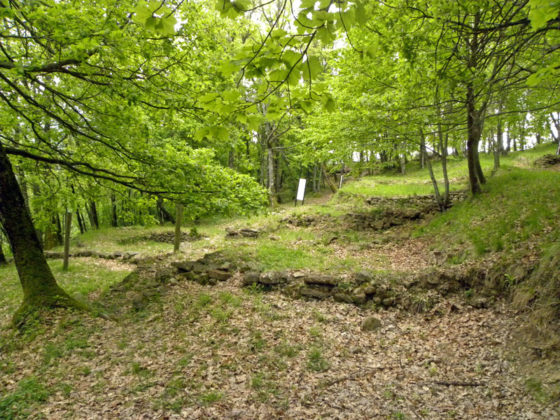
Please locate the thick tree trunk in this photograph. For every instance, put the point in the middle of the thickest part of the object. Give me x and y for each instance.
(37, 281)
(23, 185)
(2, 255)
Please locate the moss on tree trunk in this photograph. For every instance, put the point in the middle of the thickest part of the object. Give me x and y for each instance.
(40, 288)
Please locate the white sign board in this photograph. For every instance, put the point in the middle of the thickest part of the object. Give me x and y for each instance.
(301, 189)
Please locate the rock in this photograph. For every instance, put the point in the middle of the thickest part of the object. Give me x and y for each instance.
(321, 280)
(163, 274)
(219, 275)
(225, 266)
(54, 255)
(84, 254)
(547, 160)
(343, 297)
(370, 289)
(183, 266)
(273, 278)
(388, 301)
(479, 302)
(129, 254)
(359, 298)
(244, 232)
(298, 274)
(249, 233)
(371, 324)
(363, 277)
(314, 293)
(250, 277)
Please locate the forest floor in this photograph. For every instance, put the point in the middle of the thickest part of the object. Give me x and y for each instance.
(179, 348)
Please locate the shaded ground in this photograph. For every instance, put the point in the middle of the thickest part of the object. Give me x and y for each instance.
(203, 352)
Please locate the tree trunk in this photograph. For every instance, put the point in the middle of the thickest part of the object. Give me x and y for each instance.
(37, 281)
(499, 145)
(163, 214)
(328, 179)
(81, 221)
(114, 217)
(473, 139)
(67, 231)
(443, 143)
(422, 152)
(2, 255)
(271, 175)
(93, 216)
(402, 161)
(23, 186)
(178, 221)
(437, 195)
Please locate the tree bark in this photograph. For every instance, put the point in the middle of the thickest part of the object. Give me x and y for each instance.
(437, 195)
(328, 179)
(271, 175)
(67, 231)
(178, 221)
(93, 216)
(443, 142)
(163, 214)
(473, 139)
(37, 281)
(499, 145)
(81, 221)
(114, 217)
(2, 255)
(422, 152)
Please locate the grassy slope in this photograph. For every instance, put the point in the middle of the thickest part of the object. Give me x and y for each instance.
(416, 180)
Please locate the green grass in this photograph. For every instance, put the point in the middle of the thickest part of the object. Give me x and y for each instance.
(516, 205)
(416, 181)
(83, 278)
(17, 404)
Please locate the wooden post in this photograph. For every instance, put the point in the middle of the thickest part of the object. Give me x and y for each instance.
(67, 228)
(178, 220)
